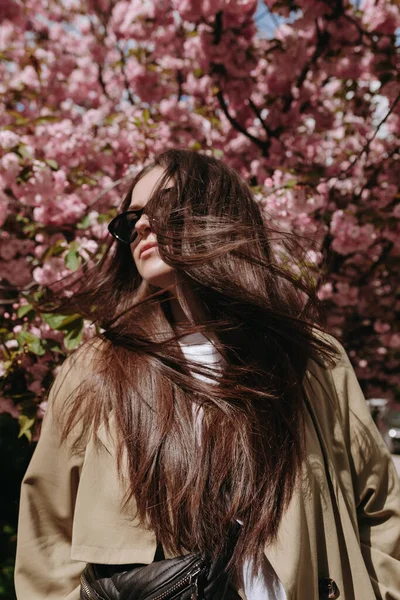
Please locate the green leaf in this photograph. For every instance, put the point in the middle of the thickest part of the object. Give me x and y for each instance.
(290, 183)
(45, 119)
(25, 426)
(104, 218)
(74, 336)
(55, 249)
(85, 223)
(23, 150)
(31, 342)
(25, 399)
(19, 119)
(24, 310)
(60, 322)
(110, 118)
(70, 325)
(37, 295)
(24, 174)
(53, 346)
(53, 164)
(7, 364)
(72, 260)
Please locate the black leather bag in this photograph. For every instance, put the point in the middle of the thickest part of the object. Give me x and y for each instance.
(188, 577)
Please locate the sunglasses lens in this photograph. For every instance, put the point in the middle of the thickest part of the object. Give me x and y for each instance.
(123, 227)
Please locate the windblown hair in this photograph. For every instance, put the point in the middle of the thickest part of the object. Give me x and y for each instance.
(264, 321)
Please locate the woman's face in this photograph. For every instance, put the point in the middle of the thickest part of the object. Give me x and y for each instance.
(144, 249)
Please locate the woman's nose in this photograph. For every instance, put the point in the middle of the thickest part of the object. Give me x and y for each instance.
(143, 225)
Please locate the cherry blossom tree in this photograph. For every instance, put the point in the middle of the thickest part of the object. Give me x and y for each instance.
(308, 112)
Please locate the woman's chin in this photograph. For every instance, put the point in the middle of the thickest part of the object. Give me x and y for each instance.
(160, 278)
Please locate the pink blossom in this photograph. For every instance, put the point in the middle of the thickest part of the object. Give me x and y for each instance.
(35, 387)
(41, 409)
(27, 77)
(382, 18)
(381, 327)
(11, 344)
(15, 272)
(346, 295)
(69, 209)
(7, 406)
(8, 139)
(394, 341)
(241, 7)
(382, 350)
(38, 370)
(190, 10)
(349, 236)
(97, 230)
(3, 207)
(9, 9)
(325, 291)
(10, 167)
(11, 247)
(52, 271)
(396, 211)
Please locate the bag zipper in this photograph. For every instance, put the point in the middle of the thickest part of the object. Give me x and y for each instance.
(190, 578)
(86, 588)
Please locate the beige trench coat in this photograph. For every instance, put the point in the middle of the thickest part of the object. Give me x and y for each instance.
(345, 526)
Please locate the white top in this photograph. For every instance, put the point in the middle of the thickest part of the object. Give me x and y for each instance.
(266, 585)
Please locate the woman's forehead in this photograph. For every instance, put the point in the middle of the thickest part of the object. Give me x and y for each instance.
(145, 187)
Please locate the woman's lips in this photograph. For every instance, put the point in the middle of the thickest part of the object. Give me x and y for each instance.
(147, 250)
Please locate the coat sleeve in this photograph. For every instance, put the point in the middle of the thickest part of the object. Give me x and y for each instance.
(44, 569)
(375, 482)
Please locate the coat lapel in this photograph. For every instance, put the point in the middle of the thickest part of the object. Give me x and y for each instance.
(299, 554)
(105, 529)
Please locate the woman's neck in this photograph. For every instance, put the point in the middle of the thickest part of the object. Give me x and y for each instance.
(184, 309)
(180, 319)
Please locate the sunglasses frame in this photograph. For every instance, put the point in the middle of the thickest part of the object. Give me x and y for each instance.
(115, 220)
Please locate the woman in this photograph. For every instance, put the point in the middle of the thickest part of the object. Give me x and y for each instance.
(211, 403)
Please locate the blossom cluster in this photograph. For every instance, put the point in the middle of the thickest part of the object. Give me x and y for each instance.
(308, 113)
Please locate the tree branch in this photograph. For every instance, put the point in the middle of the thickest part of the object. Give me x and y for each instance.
(257, 112)
(127, 87)
(369, 142)
(263, 145)
(180, 80)
(375, 172)
(388, 246)
(322, 40)
(217, 28)
(372, 35)
(101, 81)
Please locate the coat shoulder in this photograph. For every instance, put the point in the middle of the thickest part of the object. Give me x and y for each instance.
(323, 377)
(73, 383)
(77, 368)
(334, 389)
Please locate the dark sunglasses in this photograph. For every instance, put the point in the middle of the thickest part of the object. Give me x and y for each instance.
(122, 227)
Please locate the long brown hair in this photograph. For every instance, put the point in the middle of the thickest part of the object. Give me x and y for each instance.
(263, 320)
